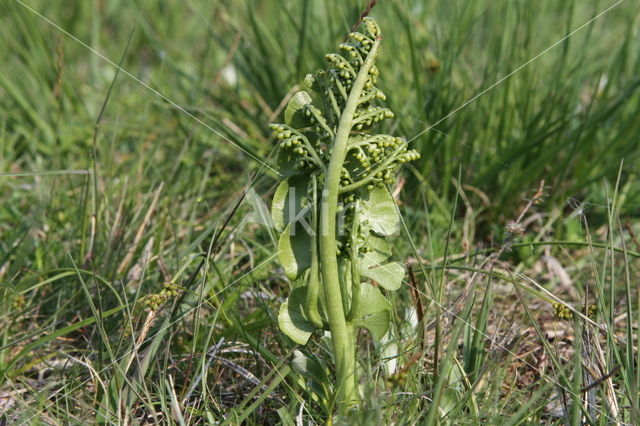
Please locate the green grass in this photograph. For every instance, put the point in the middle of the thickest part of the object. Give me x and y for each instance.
(96, 218)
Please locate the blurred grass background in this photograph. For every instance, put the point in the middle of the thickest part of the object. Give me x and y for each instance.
(157, 185)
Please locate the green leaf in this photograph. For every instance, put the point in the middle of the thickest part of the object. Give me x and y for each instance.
(288, 199)
(388, 275)
(291, 318)
(286, 418)
(317, 374)
(309, 367)
(311, 81)
(389, 353)
(286, 161)
(454, 391)
(373, 312)
(379, 249)
(294, 250)
(293, 115)
(379, 213)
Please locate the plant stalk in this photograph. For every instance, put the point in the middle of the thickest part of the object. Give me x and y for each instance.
(314, 271)
(342, 333)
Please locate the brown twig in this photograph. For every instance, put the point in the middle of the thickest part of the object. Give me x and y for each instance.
(413, 285)
(364, 14)
(607, 376)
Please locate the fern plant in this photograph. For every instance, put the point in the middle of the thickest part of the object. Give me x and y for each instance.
(333, 207)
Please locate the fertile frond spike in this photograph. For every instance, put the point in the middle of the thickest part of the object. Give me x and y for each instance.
(371, 26)
(334, 166)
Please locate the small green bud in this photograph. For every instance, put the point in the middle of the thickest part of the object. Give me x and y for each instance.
(371, 27)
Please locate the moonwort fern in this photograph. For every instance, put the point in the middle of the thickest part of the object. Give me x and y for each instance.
(333, 207)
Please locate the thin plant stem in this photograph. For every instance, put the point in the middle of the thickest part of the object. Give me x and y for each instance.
(342, 333)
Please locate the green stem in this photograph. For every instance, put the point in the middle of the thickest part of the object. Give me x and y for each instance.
(334, 102)
(314, 281)
(341, 89)
(314, 155)
(355, 269)
(321, 121)
(342, 335)
(374, 113)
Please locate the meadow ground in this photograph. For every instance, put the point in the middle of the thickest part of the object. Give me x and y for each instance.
(139, 285)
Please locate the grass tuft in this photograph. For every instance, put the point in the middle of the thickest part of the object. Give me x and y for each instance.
(138, 282)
